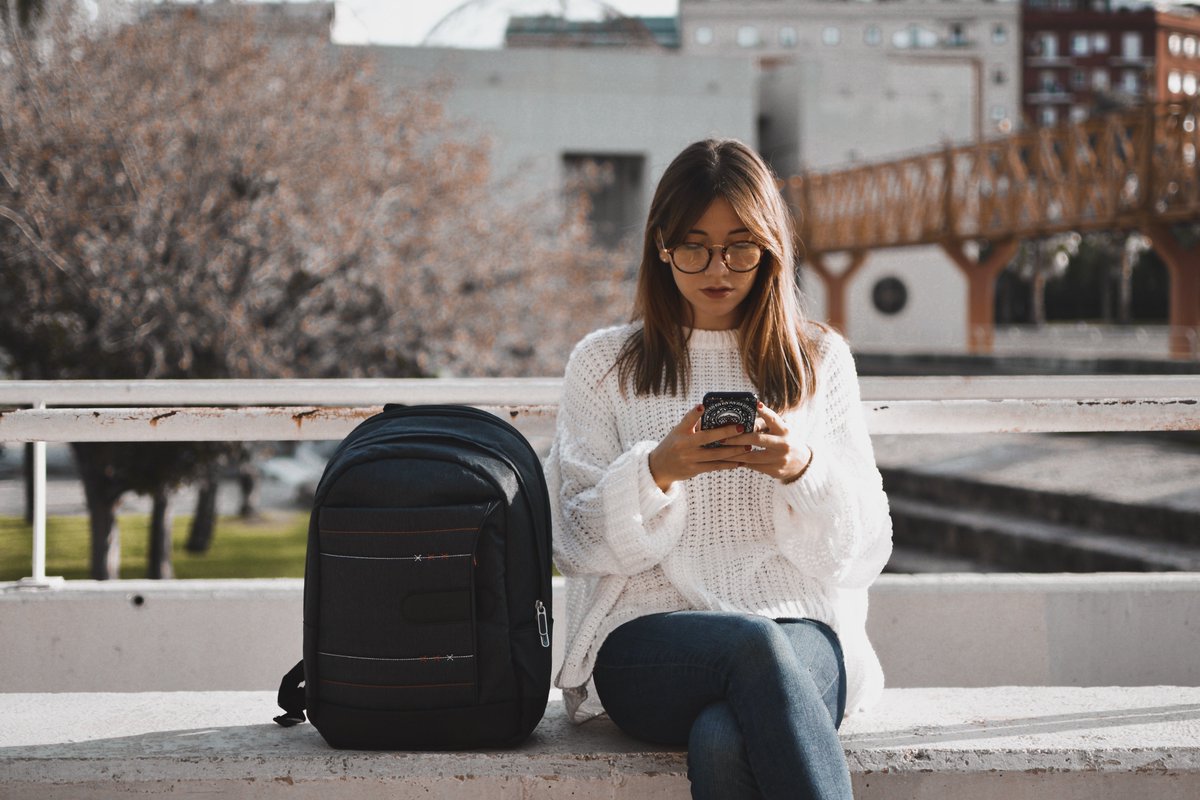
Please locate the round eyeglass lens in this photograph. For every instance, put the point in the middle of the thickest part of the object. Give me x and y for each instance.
(691, 257)
(743, 256)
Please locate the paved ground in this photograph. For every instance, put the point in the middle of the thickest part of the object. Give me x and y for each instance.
(1118, 467)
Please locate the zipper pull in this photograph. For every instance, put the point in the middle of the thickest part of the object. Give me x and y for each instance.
(543, 622)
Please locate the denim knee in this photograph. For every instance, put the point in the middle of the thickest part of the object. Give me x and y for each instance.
(759, 648)
(717, 763)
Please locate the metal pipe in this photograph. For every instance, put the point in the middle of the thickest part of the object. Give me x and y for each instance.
(39, 507)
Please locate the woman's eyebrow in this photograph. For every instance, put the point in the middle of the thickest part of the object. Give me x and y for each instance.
(705, 233)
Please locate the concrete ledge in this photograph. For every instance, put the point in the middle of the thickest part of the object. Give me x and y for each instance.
(929, 630)
(1012, 743)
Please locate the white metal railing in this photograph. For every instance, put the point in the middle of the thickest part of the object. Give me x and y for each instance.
(281, 410)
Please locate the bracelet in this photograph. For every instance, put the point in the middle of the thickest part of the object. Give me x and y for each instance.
(803, 469)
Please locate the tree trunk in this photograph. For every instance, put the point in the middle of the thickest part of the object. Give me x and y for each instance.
(1037, 297)
(159, 566)
(248, 483)
(205, 519)
(102, 494)
(1125, 290)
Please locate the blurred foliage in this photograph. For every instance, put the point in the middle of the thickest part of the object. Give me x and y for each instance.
(197, 195)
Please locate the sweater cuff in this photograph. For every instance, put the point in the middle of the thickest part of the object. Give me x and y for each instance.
(811, 490)
(651, 499)
(644, 521)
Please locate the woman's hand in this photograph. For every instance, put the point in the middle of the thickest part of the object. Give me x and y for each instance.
(682, 455)
(778, 457)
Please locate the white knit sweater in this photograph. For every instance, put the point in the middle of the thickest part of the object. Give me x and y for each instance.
(722, 541)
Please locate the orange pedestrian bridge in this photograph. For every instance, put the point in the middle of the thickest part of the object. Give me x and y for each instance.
(1133, 170)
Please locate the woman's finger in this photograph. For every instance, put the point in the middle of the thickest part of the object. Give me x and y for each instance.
(775, 423)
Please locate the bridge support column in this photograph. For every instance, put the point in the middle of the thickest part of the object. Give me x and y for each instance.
(1184, 268)
(981, 290)
(836, 284)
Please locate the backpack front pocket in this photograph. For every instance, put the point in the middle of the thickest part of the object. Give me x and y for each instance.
(397, 620)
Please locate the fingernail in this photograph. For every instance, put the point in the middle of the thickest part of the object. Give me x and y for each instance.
(748, 448)
(741, 429)
(760, 405)
(700, 407)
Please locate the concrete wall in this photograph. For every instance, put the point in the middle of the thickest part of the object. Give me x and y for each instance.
(943, 630)
(837, 110)
(934, 318)
(535, 105)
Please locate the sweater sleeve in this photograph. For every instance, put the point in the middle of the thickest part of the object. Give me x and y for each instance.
(833, 523)
(610, 517)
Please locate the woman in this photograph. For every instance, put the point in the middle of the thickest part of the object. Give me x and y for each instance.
(712, 591)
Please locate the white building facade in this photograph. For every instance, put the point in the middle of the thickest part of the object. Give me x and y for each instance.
(850, 82)
(547, 110)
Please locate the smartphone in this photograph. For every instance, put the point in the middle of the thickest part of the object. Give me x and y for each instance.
(729, 408)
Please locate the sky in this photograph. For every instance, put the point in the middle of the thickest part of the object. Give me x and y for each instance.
(407, 21)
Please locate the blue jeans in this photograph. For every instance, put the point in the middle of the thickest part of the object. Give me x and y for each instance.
(757, 701)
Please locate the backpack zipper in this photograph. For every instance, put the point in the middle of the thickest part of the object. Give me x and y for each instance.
(542, 622)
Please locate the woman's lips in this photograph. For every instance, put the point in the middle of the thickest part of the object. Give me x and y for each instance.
(717, 293)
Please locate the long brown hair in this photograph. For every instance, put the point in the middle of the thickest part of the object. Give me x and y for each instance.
(777, 354)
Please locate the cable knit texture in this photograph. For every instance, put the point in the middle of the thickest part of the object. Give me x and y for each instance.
(734, 540)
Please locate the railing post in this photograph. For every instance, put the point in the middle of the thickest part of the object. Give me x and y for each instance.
(39, 580)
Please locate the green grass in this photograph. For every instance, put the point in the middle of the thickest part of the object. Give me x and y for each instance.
(270, 547)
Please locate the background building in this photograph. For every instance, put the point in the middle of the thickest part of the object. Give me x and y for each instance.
(549, 111)
(841, 83)
(1079, 60)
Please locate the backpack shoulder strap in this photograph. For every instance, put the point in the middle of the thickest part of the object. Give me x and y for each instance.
(291, 696)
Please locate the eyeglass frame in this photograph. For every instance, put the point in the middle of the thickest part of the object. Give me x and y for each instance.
(667, 254)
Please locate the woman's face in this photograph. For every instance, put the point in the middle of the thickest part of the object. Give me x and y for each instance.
(716, 294)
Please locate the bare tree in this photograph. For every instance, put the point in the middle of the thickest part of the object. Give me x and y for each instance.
(189, 196)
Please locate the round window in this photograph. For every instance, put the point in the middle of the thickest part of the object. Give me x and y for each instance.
(890, 295)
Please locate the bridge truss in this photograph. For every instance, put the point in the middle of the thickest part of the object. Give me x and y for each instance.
(1132, 170)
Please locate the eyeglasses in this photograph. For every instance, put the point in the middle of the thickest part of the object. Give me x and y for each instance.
(692, 258)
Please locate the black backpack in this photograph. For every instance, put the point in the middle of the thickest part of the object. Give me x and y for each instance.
(426, 587)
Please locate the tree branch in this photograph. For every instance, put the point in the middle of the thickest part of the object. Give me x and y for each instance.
(55, 259)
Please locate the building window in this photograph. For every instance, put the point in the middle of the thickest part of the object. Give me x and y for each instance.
(1130, 82)
(1189, 47)
(1047, 45)
(1100, 79)
(1131, 45)
(747, 36)
(1079, 113)
(704, 35)
(1078, 79)
(1174, 82)
(872, 35)
(999, 113)
(957, 36)
(1080, 44)
(1046, 82)
(1100, 43)
(831, 35)
(999, 34)
(613, 186)
(1048, 116)
(1189, 85)
(788, 37)
(1174, 44)
(998, 76)
(1064, 5)
(914, 36)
